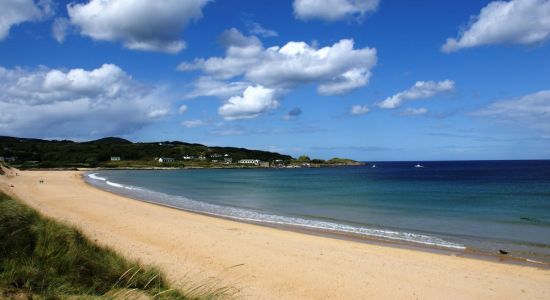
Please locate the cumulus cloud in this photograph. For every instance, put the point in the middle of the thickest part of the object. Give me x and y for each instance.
(13, 12)
(333, 10)
(292, 114)
(138, 24)
(254, 101)
(532, 110)
(414, 111)
(420, 90)
(359, 109)
(193, 123)
(337, 69)
(76, 103)
(522, 22)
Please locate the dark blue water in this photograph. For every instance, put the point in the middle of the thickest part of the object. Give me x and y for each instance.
(482, 205)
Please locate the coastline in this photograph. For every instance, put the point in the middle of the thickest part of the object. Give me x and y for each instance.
(349, 236)
(266, 262)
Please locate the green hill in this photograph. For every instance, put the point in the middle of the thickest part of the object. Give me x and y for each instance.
(37, 153)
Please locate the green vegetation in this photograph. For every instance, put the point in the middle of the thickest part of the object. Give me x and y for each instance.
(304, 159)
(43, 259)
(341, 161)
(36, 153)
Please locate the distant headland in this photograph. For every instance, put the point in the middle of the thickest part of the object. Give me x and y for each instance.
(114, 152)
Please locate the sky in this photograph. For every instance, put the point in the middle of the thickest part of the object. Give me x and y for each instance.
(365, 79)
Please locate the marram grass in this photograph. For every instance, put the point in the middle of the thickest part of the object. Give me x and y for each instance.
(43, 259)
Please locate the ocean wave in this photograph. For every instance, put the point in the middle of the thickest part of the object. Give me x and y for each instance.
(115, 184)
(241, 214)
(118, 185)
(94, 176)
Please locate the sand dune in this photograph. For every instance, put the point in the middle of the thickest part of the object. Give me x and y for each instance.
(267, 263)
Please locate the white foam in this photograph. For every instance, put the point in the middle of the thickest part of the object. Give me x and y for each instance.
(115, 184)
(94, 176)
(253, 216)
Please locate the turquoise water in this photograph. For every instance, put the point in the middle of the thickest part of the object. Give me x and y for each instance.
(482, 205)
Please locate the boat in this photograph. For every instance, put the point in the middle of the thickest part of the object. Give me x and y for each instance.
(419, 166)
(373, 166)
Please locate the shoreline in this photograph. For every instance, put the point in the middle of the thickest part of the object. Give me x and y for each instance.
(353, 237)
(264, 262)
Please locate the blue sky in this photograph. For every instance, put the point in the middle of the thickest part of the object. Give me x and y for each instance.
(366, 79)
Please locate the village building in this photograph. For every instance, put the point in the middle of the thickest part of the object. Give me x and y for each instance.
(115, 158)
(166, 160)
(249, 161)
(228, 160)
(264, 164)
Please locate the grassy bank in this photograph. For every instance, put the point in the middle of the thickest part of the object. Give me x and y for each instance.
(43, 259)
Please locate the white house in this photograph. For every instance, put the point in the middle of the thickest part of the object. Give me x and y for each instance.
(115, 158)
(166, 160)
(249, 161)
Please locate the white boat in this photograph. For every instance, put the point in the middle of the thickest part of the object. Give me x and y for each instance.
(419, 166)
(373, 166)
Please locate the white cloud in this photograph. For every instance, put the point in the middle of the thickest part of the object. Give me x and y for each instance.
(139, 24)
(333, 10)
(513, 22)
(158, 113)
(254, 101)
(60, 28)
(257, 29)
(76, 103)
(208, 86)
(193, 123)
(420, 90)
(337, 69)
(13, 12)
(359, 109)
(182, 109)
(532, 110)
(414, 111)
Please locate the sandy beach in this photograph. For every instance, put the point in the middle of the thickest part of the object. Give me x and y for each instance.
(263, 262)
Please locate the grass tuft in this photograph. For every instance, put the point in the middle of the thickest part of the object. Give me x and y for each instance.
(41, 258)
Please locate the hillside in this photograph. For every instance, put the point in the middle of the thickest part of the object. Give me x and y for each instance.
(37, 153)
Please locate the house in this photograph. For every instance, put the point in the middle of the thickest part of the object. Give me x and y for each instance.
(202, 157)
(215, 155)
(188, 157)
(8, 158)
(228, 160)
(278, 163)
(166, 160)
(264, 164)
(115, 158)
(249, 161)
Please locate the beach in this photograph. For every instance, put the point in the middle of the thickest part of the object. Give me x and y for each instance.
(263, 262)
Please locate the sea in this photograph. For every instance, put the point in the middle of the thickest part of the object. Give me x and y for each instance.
(463, 206)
